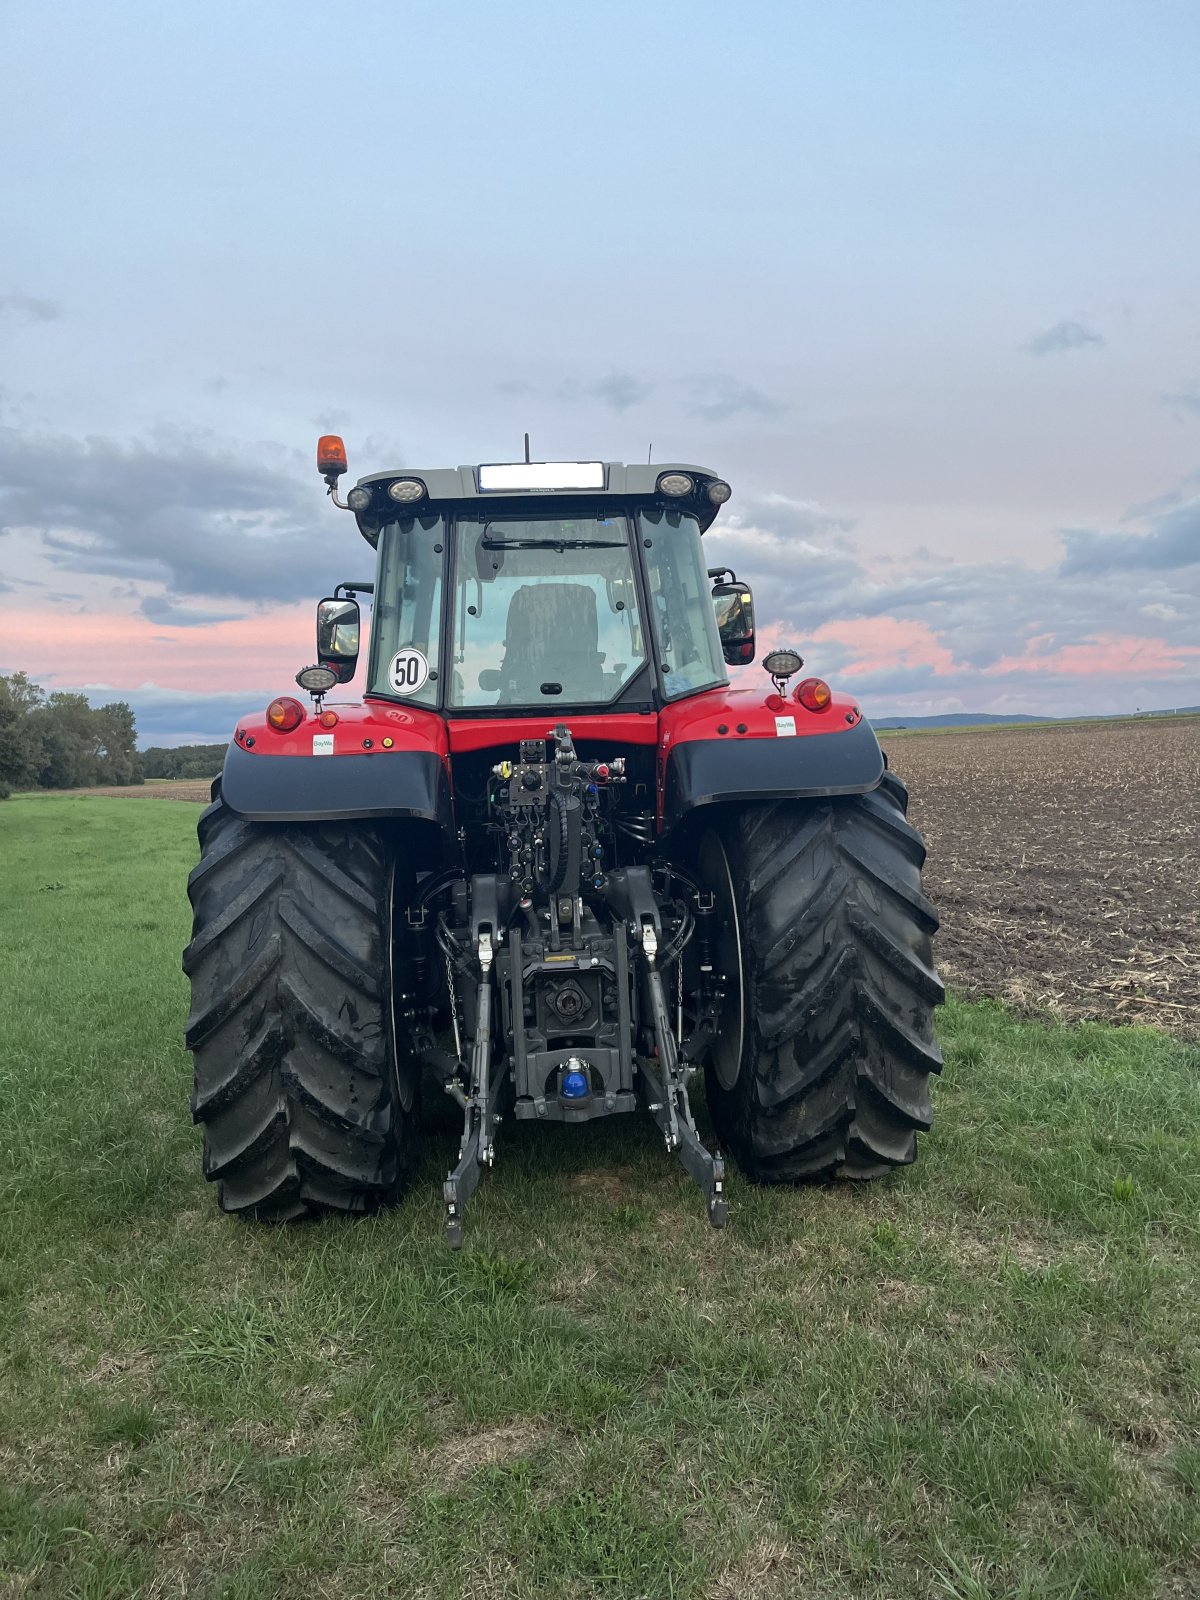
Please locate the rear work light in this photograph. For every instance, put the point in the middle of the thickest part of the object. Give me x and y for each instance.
(407, 490)
(359, 499)
(719, 491)
(814, 694)
(317, 680)
(675, 484)
(285, 714)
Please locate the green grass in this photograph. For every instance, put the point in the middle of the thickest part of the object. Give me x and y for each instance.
(977, 1379)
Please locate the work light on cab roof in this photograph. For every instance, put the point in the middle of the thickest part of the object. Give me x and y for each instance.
(547, 858)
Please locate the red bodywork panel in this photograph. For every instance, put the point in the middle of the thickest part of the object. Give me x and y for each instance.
(361, 726)
(488, 733)
(740, 713)
(746, 714)
(715, 716)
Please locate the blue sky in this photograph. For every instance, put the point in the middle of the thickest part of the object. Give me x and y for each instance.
(919, 279)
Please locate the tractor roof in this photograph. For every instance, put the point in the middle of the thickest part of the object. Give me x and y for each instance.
(510, 486)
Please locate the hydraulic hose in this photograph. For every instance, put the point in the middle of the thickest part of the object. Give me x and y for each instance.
(674, 946)
(560, 866)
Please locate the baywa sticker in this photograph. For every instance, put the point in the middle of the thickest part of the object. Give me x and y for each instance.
(785, 727)
(408, 672)
(322, 744)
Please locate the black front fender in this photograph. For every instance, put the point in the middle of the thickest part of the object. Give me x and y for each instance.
(814, 766)
(404, 783)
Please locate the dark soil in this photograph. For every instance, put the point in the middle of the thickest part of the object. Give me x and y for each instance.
(1065, 865)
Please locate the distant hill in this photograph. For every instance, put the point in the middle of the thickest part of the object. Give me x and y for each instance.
(983, 719)
(952, 719)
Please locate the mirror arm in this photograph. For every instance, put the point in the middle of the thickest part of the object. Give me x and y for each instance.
(352, 589)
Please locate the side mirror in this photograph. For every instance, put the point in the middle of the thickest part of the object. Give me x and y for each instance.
(734, 605)
(489, 679)
(339, 623)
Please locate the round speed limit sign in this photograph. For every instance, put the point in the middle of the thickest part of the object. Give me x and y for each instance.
(408, 672)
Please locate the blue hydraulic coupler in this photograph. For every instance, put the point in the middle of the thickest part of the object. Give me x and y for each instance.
(576, 1084)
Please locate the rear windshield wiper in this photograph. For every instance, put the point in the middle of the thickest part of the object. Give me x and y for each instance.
(552, 544)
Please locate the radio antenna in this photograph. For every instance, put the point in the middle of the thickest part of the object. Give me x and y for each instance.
(526, 449)
(649, 451)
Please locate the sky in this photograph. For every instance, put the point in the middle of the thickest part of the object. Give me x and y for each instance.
(919, 279)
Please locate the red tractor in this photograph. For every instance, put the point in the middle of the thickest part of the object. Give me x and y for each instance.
(552, 862)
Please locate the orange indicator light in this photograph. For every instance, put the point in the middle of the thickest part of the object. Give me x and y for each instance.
(814, 694)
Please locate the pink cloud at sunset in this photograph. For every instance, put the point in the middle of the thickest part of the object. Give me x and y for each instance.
(888, 642)
(125, 650)
(1110, 654)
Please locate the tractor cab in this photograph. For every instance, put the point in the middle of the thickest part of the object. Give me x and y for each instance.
(543, 587)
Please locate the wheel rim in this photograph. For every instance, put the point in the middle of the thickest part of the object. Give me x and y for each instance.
(727, 954)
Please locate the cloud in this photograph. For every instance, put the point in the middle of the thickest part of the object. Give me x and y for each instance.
(797, 519)
(619, 390)
(713, 396)
(1063, 336)
(200, 515)
(885, 643)
(1118, 655)
(1185, 401)
(157, 608)
(716, 397)
(381, 452)
(925, 637)
(1161, 613)
(29, 307)
(175, 716)
(59, 649)
(1172, 542)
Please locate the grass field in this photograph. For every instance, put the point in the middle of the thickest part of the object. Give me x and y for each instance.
(977, 1379)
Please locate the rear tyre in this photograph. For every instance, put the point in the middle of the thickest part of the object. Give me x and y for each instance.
(306, 1107)
(822, 1065)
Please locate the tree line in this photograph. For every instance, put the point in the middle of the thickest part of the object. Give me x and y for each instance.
(61, 741)
(185, 761)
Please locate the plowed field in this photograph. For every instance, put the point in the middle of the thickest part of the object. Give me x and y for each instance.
(195, 789)
(1065, 865)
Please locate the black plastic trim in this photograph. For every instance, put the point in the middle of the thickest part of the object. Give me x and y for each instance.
(402, 783)
(701, 772)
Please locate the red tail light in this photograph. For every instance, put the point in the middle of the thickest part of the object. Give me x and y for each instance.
(285, 714)
(814, 694)
(328, 719)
